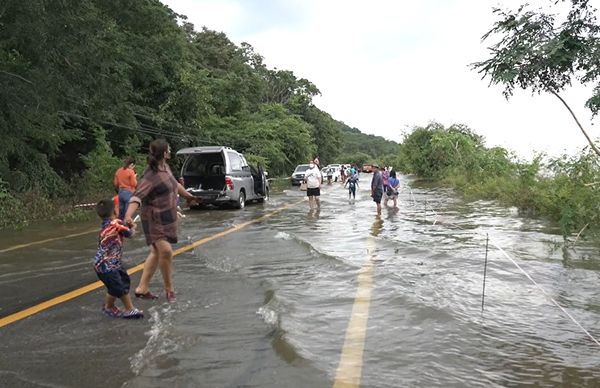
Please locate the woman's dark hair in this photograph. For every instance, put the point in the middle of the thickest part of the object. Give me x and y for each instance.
(128, 160)
(393, 173)
(157, 153)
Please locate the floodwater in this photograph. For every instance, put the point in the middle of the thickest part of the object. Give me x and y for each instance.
(269, 305)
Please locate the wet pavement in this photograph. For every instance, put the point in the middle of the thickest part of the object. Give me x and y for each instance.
(269, 305)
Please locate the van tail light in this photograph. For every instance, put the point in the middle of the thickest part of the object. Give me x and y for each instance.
(229, 182)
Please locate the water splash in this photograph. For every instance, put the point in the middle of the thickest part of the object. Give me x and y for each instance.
(270, 316)
(161, 339)
(283, 236)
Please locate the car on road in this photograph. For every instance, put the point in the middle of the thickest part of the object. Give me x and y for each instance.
(298, 174)
(221, 176)
(367, 168)
(336, 172)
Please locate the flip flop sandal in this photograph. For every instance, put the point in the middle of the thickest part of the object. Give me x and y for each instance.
(170, 296)
(146, 295)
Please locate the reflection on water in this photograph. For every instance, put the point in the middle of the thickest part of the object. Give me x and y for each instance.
(269, 304)
(376, 226)
(313, 214)
(425, 325)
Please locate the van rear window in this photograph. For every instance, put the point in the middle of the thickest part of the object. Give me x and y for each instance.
(205, 164)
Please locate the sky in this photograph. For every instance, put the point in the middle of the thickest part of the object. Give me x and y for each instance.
(386, 66)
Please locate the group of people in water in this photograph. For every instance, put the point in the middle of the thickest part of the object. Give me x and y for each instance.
(157, 193)
(384, 184)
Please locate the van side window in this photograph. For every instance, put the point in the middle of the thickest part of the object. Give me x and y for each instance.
(245, 165)
(235, 161)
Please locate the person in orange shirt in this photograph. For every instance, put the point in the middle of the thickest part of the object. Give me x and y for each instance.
(125, 182)
(115, 200)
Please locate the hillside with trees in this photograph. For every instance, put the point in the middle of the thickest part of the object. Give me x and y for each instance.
(84, 83)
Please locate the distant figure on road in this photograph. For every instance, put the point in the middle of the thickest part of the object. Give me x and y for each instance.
(377, 187)
(313, 180)
(352, 183)
(392, 189)
(125, 183)
(386, 176)
(108, 265)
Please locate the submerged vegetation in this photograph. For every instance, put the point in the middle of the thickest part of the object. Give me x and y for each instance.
(563, 189)
(115, 75)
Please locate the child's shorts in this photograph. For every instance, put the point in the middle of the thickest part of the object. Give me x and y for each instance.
(116, 282)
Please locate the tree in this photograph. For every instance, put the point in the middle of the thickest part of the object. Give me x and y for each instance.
(434, 150)
(536, 52)
(281, 139)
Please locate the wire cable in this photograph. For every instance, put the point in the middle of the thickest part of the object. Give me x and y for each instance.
(548, 296)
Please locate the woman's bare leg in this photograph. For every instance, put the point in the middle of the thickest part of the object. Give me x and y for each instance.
(150, 266)
(165, 262)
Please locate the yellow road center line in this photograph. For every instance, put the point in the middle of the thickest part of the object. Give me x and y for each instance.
(47, 240)
(349, 371)
(93, 286)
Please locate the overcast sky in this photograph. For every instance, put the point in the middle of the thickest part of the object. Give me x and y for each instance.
(386, 66)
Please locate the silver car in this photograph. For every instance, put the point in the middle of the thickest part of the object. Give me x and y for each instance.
(221, 175)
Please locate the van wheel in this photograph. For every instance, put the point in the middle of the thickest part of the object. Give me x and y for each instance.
(241, 203)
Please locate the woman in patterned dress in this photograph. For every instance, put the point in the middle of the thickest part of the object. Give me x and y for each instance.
(156, 193)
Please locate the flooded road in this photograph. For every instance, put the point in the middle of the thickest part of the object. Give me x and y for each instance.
(316, 299)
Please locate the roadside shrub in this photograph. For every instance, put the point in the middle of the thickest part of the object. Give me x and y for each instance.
(101, 166)
(571, 194)
(12, 209)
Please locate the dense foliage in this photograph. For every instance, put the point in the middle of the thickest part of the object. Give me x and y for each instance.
(563, 189)
(358, 148)
(84, 83)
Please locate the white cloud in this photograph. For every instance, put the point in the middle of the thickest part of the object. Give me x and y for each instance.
(383, 66)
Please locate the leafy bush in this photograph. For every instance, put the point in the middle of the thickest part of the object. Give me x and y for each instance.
(564, 189)
(12, 210)
(101, 166)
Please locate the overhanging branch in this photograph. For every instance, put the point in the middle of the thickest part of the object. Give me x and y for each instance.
(591, 143)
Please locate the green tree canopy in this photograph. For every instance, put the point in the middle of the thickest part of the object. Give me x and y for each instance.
(536, 51)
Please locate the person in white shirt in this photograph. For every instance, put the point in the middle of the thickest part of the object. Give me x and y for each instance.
(313, 180)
